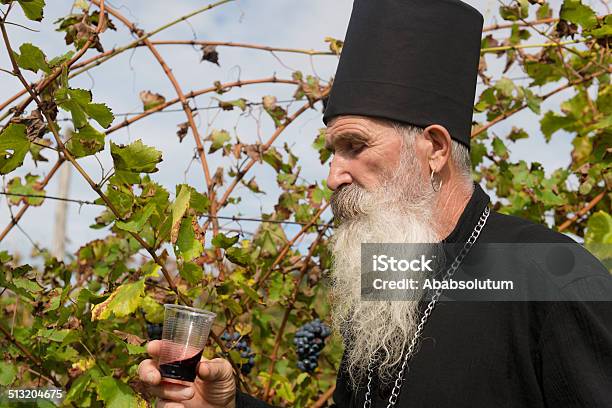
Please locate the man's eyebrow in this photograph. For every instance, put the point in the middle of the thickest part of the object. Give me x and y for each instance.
(345, 137)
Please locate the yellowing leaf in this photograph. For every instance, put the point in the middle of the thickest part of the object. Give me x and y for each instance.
(599, 229)
(178, 210)
(186, 243)
(218, 138)
(150, 100)
(31, 187)
(154, 312)
(122, 302)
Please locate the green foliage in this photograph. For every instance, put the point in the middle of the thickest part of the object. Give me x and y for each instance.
(29, 188)
(135, 157)
(576, 12)
(86, 141)
(78, 103)
(32, 59)
(33, 9)
(598, 237)
(8, 373)
(117, 394)
(14, 145)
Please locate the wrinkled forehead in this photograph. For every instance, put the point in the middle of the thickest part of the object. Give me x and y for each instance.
(363, 122)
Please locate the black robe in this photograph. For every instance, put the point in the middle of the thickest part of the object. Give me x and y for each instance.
(505, 354)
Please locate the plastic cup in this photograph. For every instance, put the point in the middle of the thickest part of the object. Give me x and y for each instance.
(184, 335)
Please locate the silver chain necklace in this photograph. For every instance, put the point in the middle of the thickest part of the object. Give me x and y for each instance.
(449, 272)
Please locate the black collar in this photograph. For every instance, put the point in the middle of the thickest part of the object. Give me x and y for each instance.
(470, 216)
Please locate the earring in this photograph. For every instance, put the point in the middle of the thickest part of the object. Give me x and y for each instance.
(431, 179)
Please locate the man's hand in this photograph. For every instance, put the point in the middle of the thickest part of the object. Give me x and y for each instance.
(214, 386)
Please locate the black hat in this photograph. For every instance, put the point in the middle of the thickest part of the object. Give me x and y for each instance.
(414, 61)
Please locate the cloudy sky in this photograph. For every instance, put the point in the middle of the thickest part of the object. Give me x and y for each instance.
(278, 23)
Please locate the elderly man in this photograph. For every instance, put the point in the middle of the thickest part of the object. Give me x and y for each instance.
(398, 121)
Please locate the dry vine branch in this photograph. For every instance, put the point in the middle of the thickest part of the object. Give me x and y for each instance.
(520, 24)
(42, 84)
(583, 211)
(194, 94)
(324, 397)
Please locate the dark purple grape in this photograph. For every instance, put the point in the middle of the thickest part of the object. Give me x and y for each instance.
(310, 340)
(154, 331)
(234, 342)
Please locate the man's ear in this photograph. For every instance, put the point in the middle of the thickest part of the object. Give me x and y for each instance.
(441, 143)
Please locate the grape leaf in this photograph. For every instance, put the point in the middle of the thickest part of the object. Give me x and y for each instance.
(30, 187)
(8, 372)
(188, 246)
(218, 138)
(33, 9)
(598, 237)
(122, 302)
(85, 142)
(135, 349)
(78, 103)
(138, 220)
(117, 394)
(197, 201)
(210, 53)
(499, 148)
(14, 145)
(191, 272)
(154, 312)
(221, 241)
(150, 100)
(31, 58)
(551, 123)
(238, 256)
(576, 12)
(599, 228)
(178, 210)
(100, 113)
(229, 105)
(135, 157)
(60, 59)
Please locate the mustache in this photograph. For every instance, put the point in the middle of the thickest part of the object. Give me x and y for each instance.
(349, 201)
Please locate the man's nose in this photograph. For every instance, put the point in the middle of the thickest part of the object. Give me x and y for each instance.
(338, 173)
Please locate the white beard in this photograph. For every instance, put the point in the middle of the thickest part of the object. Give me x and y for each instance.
(398, 212)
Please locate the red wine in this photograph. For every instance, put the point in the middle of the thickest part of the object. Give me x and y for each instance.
(184, 370)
